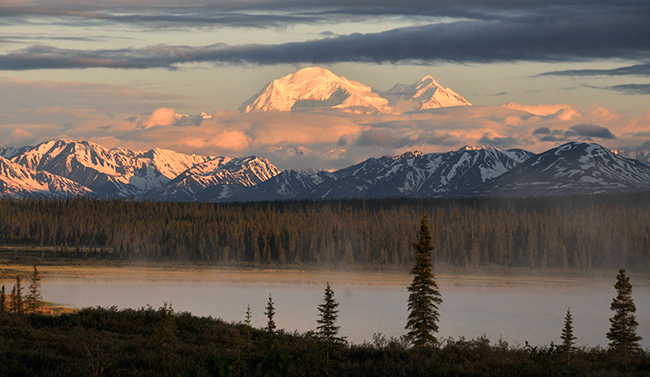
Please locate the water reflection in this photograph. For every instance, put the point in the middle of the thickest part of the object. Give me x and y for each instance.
(514, 313)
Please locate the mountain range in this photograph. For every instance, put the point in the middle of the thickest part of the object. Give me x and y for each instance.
(316, 87)
(60, 168)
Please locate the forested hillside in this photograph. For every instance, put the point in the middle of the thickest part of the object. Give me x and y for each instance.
(566, 232)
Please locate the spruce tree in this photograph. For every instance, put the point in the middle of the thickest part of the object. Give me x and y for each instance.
(3, 300)
(622, 332)
(424, 295)
(34, 297)
(16, 298)
(327, 329)
(249, 315)
(270, 312)
(568, 340)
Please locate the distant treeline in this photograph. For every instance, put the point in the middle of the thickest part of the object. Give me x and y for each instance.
(565, 232)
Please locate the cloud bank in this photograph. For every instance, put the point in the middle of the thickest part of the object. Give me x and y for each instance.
(535, 37)
(316, 139)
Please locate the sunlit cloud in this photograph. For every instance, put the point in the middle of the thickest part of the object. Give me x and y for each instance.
(334, 139)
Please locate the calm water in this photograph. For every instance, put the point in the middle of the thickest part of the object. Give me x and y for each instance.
(514, 313)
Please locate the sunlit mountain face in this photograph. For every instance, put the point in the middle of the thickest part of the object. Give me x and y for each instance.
(60, 168)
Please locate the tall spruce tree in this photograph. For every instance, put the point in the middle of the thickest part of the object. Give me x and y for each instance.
(327, 329)
(16, 298)
(568, 339)
(622, 332)
(3, 300)
(34, 297)
(270, 313)
(424, 294)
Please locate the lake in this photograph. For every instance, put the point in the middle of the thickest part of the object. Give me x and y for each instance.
(516, 309)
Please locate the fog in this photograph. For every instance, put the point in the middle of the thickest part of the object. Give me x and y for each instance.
(516, 313)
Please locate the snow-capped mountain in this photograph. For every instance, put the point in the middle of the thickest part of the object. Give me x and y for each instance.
(114, 172)
(411, 174)
(314, 87)
(317, 87)
(641, 152)
(424, 94)
(60, 168)
(572, 168)
(219, 176)
(17, 181)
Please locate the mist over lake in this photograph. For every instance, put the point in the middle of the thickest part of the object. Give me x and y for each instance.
(513, 311)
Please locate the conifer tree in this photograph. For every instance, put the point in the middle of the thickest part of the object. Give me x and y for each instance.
(622, 332)
(164, 336)
(16, 299)
(248, 317)
(568, 340)
(34, 297)
(270, 312)
(327, 329)
(424, 295)
(3, 300)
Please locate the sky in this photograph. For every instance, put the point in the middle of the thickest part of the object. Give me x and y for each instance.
(139, 73)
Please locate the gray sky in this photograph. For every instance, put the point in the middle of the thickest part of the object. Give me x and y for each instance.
(125, 73)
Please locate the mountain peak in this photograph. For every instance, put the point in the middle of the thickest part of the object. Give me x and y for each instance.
(317, 87)
(311, 88)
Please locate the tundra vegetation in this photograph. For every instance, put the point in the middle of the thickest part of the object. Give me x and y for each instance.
(161, 342)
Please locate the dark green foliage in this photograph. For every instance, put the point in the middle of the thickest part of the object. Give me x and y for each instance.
(327, 316)
(327, 332)
(34, 298)
(111, 342)
(269, 311)
(164, 339)
(277, 362)
(424, 295)
(622, 332)
(568, 339)
(579, 232)
(16, 298)
(217, 365)
(3, 300)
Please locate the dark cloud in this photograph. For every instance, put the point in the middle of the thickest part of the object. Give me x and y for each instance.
(265, 13)
(583, 131)
(632, 70)
(383, 138)
(500, 142)
(522, 38)
(633, 89)
(592, 130)
(542, 131)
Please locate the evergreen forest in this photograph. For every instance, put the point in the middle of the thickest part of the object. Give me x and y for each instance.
(574, 232)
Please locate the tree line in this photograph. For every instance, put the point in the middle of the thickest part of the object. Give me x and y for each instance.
(578, 232)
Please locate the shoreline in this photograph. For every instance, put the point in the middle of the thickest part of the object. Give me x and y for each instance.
(446, 276)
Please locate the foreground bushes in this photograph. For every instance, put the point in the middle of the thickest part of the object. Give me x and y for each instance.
(159, 342)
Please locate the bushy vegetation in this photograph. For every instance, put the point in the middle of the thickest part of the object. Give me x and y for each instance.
(111, 342)
(579, 232)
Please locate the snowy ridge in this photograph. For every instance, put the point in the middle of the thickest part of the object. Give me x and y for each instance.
(424, 94)
(222, 171)
(112, 172)
(317, 87)
(58, 168)
(572, 168)
(641, 152)
(411, 174)
(17, 181)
